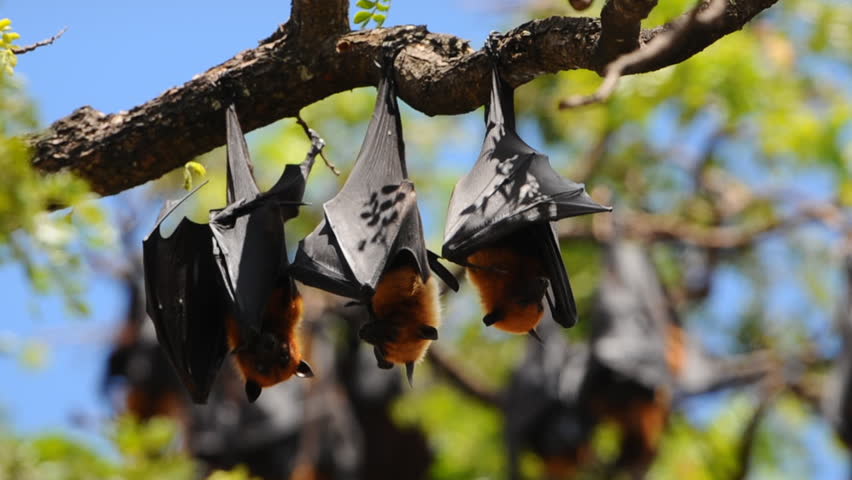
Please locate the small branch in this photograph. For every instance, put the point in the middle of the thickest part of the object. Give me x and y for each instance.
(750, 436)
(661, 44)
(621, 23)
(656, 227)
(43, 43)
(461, 380)
(317, 140)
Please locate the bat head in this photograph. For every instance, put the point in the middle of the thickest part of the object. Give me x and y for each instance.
(268, 361)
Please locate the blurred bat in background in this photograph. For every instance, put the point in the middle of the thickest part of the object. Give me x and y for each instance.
(211, 287)
(499, 225)
(370, 245)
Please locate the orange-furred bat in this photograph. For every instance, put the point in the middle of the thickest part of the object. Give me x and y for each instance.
(225, 283)
(274, 354)
(511, 283)
(370, 245)
(500, 224)
(405, 315)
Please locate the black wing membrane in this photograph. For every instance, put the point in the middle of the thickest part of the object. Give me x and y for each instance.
(510, 186)
(371, 219)
(186, 302)
(629, 335)
(563, 309)
(513, 187)
(249, 233)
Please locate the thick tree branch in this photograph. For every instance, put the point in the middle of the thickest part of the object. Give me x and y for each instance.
(315, 19)
(437, 74)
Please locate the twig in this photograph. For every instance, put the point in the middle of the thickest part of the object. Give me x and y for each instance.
(750, 436)
(461, 380)
(315, 138)
(43, 43)
(656, 47)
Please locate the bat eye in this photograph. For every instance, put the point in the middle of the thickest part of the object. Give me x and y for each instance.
(268, 344)
(262, 368)
(284, 359)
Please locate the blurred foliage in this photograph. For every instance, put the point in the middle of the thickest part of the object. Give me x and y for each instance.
(47, 244)
(143, 451)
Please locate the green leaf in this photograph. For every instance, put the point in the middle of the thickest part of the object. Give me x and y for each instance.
(379, 18)
(382, 7)
(363, 17)
(366, 4)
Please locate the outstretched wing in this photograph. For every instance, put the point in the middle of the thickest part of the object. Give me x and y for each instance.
(510, 186)
(186, 302)
(371, 219)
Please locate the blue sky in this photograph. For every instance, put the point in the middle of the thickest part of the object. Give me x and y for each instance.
(115, 56)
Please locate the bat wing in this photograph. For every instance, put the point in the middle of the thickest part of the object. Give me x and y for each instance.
(249, 232)
(510, 186)
(629, 334)
(371, 219)
(184, 299)
(563, 309)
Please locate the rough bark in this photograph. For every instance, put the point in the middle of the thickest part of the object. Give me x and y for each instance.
(314, 56)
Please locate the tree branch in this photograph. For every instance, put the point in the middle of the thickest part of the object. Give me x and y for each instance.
(661, 45)
(621, 23)
(461, 380)
(43, 43)
(749, 437)
(437, 74)
(655, 227)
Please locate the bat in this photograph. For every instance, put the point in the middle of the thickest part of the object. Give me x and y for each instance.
(370, 246)
(214, 286)
(542, 410)
(638, 350)
(499, 225)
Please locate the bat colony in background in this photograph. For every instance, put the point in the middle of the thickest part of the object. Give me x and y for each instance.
(228, 284)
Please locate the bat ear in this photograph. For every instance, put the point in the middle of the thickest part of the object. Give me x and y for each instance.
(252, 390)
(381, 360)
(427, 332)
(303, 370)
(492, 318)
(534, 335)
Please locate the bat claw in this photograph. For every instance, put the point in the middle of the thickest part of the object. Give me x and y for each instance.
(535, 335)
(409, 373)
(380, 359)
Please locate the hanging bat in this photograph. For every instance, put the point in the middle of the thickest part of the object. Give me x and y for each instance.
(370, 245)
(638, 350)
(542, 409)
(499, 225)
(224, 284)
